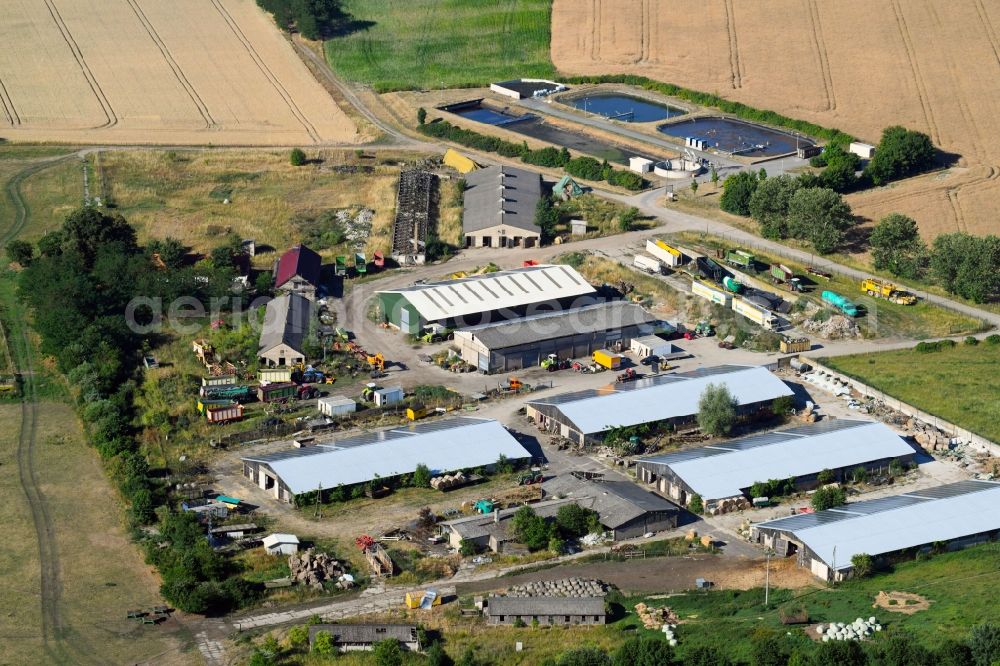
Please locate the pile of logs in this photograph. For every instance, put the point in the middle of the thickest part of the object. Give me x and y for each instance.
(654, 618)
(312, 569)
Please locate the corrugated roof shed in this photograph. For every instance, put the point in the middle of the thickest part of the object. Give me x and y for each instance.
(450, 445)
(301, 261)
(557, 324)
(494, 291)
(546, 606)
(286, 320)
(501, 195)
(616, 502)
(366, 633)
(660, 398)
(722, 470)
(891, 524)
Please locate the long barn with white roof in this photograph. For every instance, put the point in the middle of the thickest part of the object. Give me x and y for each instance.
(585, 416)
(728, 469)
(442, 446)
(954, 516)
(483, 298)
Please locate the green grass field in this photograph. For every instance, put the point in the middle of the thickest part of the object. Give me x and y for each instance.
(957, 384)
(443, 43)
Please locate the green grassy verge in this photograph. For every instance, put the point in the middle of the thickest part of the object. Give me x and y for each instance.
(957, 384)
(442, 43)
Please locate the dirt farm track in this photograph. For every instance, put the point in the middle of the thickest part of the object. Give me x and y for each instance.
(155, 71)
(857, 65)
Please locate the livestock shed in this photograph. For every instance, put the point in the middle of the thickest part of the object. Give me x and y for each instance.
(362, 637)
(286, 326)
(442, 446)
(522, 88)
(281, 544)
(625, 510)
(336, 405)
(727, 470)
(297, 271)
(545, 610)
(585, 416)
(485, 298)
(576, 333)
(494, 530)
(499, 207)
(956, 515)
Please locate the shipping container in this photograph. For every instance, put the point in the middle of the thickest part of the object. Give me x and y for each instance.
(224, 413)
(336, 405)
(274, 375)
(754, 313)
(841, 303)
(699, 288)
(274, 392)
(607, 359)
(647, 264)
(669, 255)
(221, 380)
(340, 267)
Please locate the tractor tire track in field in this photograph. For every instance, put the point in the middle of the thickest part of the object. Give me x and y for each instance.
(8, 106)
(169, 59)
(595, 31)
(918, 78)
(266, 71)
(821, 52)
(991, 34)
(736, 76)
(53, 629)
(647, 31)
(111, 119)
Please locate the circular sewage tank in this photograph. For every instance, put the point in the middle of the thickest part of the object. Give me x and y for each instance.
(677, 169)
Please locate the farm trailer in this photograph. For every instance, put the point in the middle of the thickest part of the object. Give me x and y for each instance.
(647, 264)
(754, 313)
(668, 255)
(224, 413)
(709, 293)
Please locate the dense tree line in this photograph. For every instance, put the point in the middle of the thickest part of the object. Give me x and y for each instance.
(78, 288)
(313, 19)
(900, 153)
(580, 167)
(537, 533)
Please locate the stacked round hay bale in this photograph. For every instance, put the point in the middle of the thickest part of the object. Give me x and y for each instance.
(858, 630)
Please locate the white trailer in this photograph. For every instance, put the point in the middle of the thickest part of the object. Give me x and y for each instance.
(699, 288)
(336, 405)
(670, 256)
(755, 313)
(647, 264)
(652, 345)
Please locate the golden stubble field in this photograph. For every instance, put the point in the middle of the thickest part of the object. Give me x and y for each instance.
(154, 72)
(930, 65)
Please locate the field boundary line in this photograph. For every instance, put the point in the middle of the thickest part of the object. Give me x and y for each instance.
(169, 59)
(918, 77)
(111, 118)
(736, 76)
(265, 70)
(8, 105)
(824, 56)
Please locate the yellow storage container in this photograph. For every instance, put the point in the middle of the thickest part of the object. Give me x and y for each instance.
(607, 359)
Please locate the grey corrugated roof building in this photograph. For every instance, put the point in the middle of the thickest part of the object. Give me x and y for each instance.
(574, 333)
(500, 204)
(286, 326)
(351, 637)
(546, 610)
(624, 508)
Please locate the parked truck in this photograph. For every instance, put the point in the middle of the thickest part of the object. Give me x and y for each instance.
(841, 303)
(740, 258)
(360, 264)
(648, 264)
(887, 290)
(755, 313)
(668, 255)
(709, 269)
(710, 293)
(218, 414)
(781, 274)
(607, 359)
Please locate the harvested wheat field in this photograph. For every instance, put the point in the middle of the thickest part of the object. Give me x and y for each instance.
(856, 65)
(153, 72)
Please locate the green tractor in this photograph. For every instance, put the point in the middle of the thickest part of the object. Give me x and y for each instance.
(704, 329)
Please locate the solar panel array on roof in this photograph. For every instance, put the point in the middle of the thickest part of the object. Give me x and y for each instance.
(827, 425)
(447, 424)
(737, 465)
(519, 287)
(887, 525)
